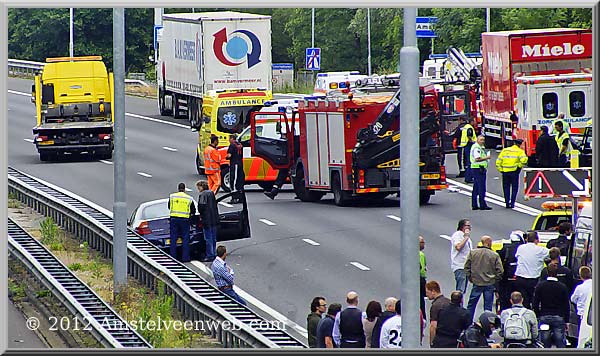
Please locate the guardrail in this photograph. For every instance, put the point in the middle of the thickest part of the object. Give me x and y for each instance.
(194, 297)
(21, 68)
(93, 313)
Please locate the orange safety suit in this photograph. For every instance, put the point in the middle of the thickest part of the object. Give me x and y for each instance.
(212, 168)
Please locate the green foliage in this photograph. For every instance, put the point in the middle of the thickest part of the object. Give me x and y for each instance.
(49, 232)
(341, 33)
(16, 290)
(75, 266)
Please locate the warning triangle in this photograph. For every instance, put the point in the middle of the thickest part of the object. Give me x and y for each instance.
(539, 187)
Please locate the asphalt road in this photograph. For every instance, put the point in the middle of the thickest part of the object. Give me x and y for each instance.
(19, 336)
(299, 250)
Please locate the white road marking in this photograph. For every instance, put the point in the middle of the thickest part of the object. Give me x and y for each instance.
(106, 162)
(169, 149)
(145, 174)
(394, 217)
(257, 303)
(496, 178)
(446, 237)
(226, 204)
(497, 199)
(156, 120)
(311, 242)
(187, 189)
(28, 140)
(268, 222)
(360, 266)
(19, 93)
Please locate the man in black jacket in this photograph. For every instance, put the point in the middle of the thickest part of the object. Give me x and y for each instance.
(546, 150)
(552, 306)
(477, 334)
(390, 311)
(563, 273)
(562, 241)
(509, 262)
(452, 320)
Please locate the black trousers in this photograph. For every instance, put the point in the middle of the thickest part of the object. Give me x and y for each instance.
(526, 286)
(422, 299)
(236, 179)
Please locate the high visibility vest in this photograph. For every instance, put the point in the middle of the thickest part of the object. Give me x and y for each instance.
(422, 264)
(180, 205)
(464, 138)
(510, 159)
(475, 164)
(559, 138)
(212, 160)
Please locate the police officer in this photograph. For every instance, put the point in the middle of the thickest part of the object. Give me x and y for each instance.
(563, 141)
(236, 169)
(181, 208)
(509, 163)
(467, 139)
(479, 164)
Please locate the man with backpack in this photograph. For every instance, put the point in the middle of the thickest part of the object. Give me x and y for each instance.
(519, 324)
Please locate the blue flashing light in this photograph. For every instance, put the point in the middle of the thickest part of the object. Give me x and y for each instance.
(342, 85)
(322, 75)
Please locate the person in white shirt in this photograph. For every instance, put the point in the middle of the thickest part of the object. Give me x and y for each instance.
(582, 291)
(459, 250)
(391, 330)
(530, 262)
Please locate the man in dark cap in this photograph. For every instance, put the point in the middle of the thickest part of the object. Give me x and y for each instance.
(509, 163)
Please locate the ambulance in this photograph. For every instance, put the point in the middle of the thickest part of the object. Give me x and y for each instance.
(329, 81)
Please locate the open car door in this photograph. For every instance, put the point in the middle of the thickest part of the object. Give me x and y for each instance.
(277, 149)
(233, 224)
(454, 106)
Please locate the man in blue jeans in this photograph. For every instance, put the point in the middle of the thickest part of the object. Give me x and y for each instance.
(552, 305)
(223, 275)
(209, 212)
(181, 208)
(483, 268)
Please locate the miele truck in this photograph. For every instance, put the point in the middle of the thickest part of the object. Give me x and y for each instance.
(527, 59)
(214, 68)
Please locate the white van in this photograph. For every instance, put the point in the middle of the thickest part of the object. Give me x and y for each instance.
(329, 81)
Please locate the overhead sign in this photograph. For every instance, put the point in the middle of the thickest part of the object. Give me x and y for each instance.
(313, 59)
(557, 182)
(425, 26)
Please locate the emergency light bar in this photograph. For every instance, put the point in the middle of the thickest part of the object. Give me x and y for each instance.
(70, 59)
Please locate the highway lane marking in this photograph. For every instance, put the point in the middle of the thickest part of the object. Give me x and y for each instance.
(311, 242)
(19, 93)
(169, 149)
(187, 189)
(254, 301)
(145, 174)
(268, 222)
(360, 266)
(446, 237)
(106, 162)
(28, 140)
(157, 120)
(394, 217)
(226, 204)
(500, 203)
(522, 207)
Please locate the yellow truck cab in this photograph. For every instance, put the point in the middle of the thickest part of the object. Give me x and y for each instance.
(226, 112)
(73, 99)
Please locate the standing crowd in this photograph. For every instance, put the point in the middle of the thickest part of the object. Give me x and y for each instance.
(527, 295)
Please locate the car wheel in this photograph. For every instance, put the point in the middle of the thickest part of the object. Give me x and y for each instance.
(225, 183)
(424, 197)
(340, 197)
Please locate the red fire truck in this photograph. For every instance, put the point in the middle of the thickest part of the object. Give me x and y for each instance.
(511, 54)
(349, 145)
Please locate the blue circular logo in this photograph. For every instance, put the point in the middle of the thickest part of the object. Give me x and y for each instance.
(236, 48)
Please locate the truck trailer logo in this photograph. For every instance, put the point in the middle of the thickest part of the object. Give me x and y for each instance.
(189, 51)
(566, 49)
(238, 47)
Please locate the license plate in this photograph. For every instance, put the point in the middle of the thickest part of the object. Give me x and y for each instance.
(431, 176)
(179, 241)
(51, 142)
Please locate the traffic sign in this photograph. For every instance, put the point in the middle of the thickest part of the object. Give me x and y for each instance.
(157, 33)
(557, 182)
(425, 26)
(313, 59)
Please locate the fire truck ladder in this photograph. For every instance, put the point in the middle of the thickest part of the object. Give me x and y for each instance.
(460, 68)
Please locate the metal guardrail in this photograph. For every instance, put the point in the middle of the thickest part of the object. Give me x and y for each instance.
(194, 297)
(93, 314)
(17, 67)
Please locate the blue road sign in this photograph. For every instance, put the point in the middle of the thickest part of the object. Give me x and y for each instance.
(313, 59)
(156, 29)
(425, 26)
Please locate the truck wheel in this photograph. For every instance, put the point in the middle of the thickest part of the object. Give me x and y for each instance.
(424, 197)
(491, 142)
(45, 156)
(266, 186)
(161, 104)
(199, 165)
(225, 183)
(303, 193)
(340, 197)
